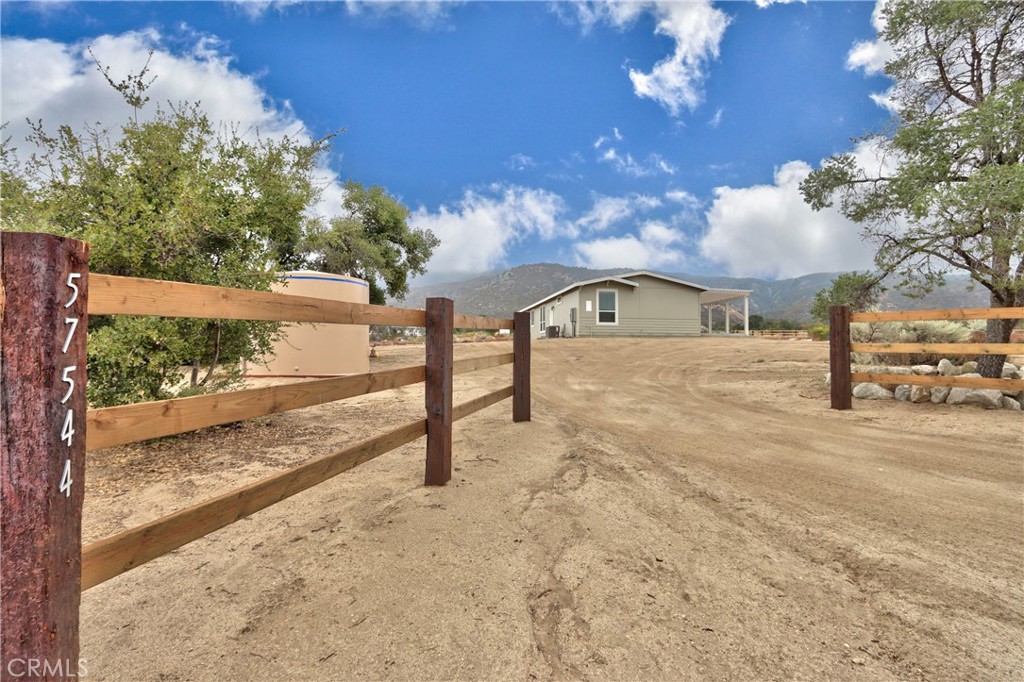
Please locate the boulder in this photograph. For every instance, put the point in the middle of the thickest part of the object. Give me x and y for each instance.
(989, 398)
(1011, 371)
(969, 367)
(920, 394)
(1010, 404)
(926, 370)
(902, 392)
(940, 393)
(872, 392)
(947, 368)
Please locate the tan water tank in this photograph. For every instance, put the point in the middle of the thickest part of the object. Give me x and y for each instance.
(321, 349)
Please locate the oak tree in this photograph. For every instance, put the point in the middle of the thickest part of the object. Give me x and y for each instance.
(947, 192)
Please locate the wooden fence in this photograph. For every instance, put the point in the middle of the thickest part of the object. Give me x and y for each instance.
(840, 347)
(781, 333)
(46, 296)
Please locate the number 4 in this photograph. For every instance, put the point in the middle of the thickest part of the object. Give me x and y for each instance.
(65, 479)
(67, 431)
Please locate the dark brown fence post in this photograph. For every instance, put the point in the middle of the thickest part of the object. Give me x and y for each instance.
(839, 356)
(43, 291)
(521, 368)
(438, 392)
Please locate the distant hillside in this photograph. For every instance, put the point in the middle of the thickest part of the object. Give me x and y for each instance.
(503, 293)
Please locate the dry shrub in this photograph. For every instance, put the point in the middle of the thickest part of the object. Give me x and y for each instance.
(927, 331)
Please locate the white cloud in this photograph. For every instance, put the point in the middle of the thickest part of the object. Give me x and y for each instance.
(425, 13)
(519, 162)
(681, 196)
(255, 9)
(768, 230)
(618, 135)
(58, 83)
(477, 231)
(768, 3)
(655, 246)
(608, 211)
(716, 120)
(654, 164)
(676, 82)
(870, 57)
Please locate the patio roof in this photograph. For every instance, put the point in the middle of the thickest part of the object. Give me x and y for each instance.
(712, 296)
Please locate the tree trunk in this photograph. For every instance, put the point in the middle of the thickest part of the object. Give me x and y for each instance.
(997, 331)
(216, 354)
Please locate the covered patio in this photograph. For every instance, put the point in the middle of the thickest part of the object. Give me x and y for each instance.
(722, 298)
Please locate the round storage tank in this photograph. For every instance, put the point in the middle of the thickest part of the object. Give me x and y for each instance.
(309, 350)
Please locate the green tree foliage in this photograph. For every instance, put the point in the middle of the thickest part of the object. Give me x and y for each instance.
(169, 198)
(372, 241)
(955, 197)
(859, 290)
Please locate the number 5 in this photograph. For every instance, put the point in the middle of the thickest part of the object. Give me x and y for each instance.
(68, 380)
(74, 288)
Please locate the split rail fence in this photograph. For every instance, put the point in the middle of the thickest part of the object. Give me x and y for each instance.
(840, 347)
(46, 296)
(781, 333)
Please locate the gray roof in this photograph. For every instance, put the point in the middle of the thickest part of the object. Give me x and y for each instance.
(620, 279)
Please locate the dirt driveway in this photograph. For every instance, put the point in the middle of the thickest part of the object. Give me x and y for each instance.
(677, 510)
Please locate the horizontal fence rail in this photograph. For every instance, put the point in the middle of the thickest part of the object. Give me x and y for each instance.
(779, 332)
(124, 424)
(945, 314)
(953, 381)
(110, 426)
(944, 348)
(111, 295)
(840, 347)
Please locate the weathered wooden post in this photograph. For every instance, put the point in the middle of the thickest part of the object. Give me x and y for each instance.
(43, 293)
(521, 368)
(839, 356)
(438, 391)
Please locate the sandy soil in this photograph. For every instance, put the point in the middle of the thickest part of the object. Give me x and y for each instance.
(676, 510)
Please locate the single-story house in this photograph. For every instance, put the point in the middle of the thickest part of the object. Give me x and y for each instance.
(638, 303)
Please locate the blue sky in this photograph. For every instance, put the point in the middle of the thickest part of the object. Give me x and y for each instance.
(669, 136)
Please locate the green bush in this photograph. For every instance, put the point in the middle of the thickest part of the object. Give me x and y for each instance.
(818, 331)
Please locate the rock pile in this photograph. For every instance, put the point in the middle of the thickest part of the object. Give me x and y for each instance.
(988, 398)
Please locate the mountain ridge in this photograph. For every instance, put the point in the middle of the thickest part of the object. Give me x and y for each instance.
(501, 294)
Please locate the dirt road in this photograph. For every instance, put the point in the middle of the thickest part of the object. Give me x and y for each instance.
(677, 510)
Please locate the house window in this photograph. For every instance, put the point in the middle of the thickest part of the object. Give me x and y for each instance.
(533, 317)
(607, 306)
(543, 317)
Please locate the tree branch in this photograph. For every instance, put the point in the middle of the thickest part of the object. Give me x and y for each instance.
(937, 56)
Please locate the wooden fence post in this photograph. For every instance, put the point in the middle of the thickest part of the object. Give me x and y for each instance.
(521, 368)
(43, 292)
(438, 390)
(839, 356)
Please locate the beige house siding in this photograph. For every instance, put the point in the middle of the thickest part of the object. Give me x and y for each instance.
(655, 308)
(556, 314)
